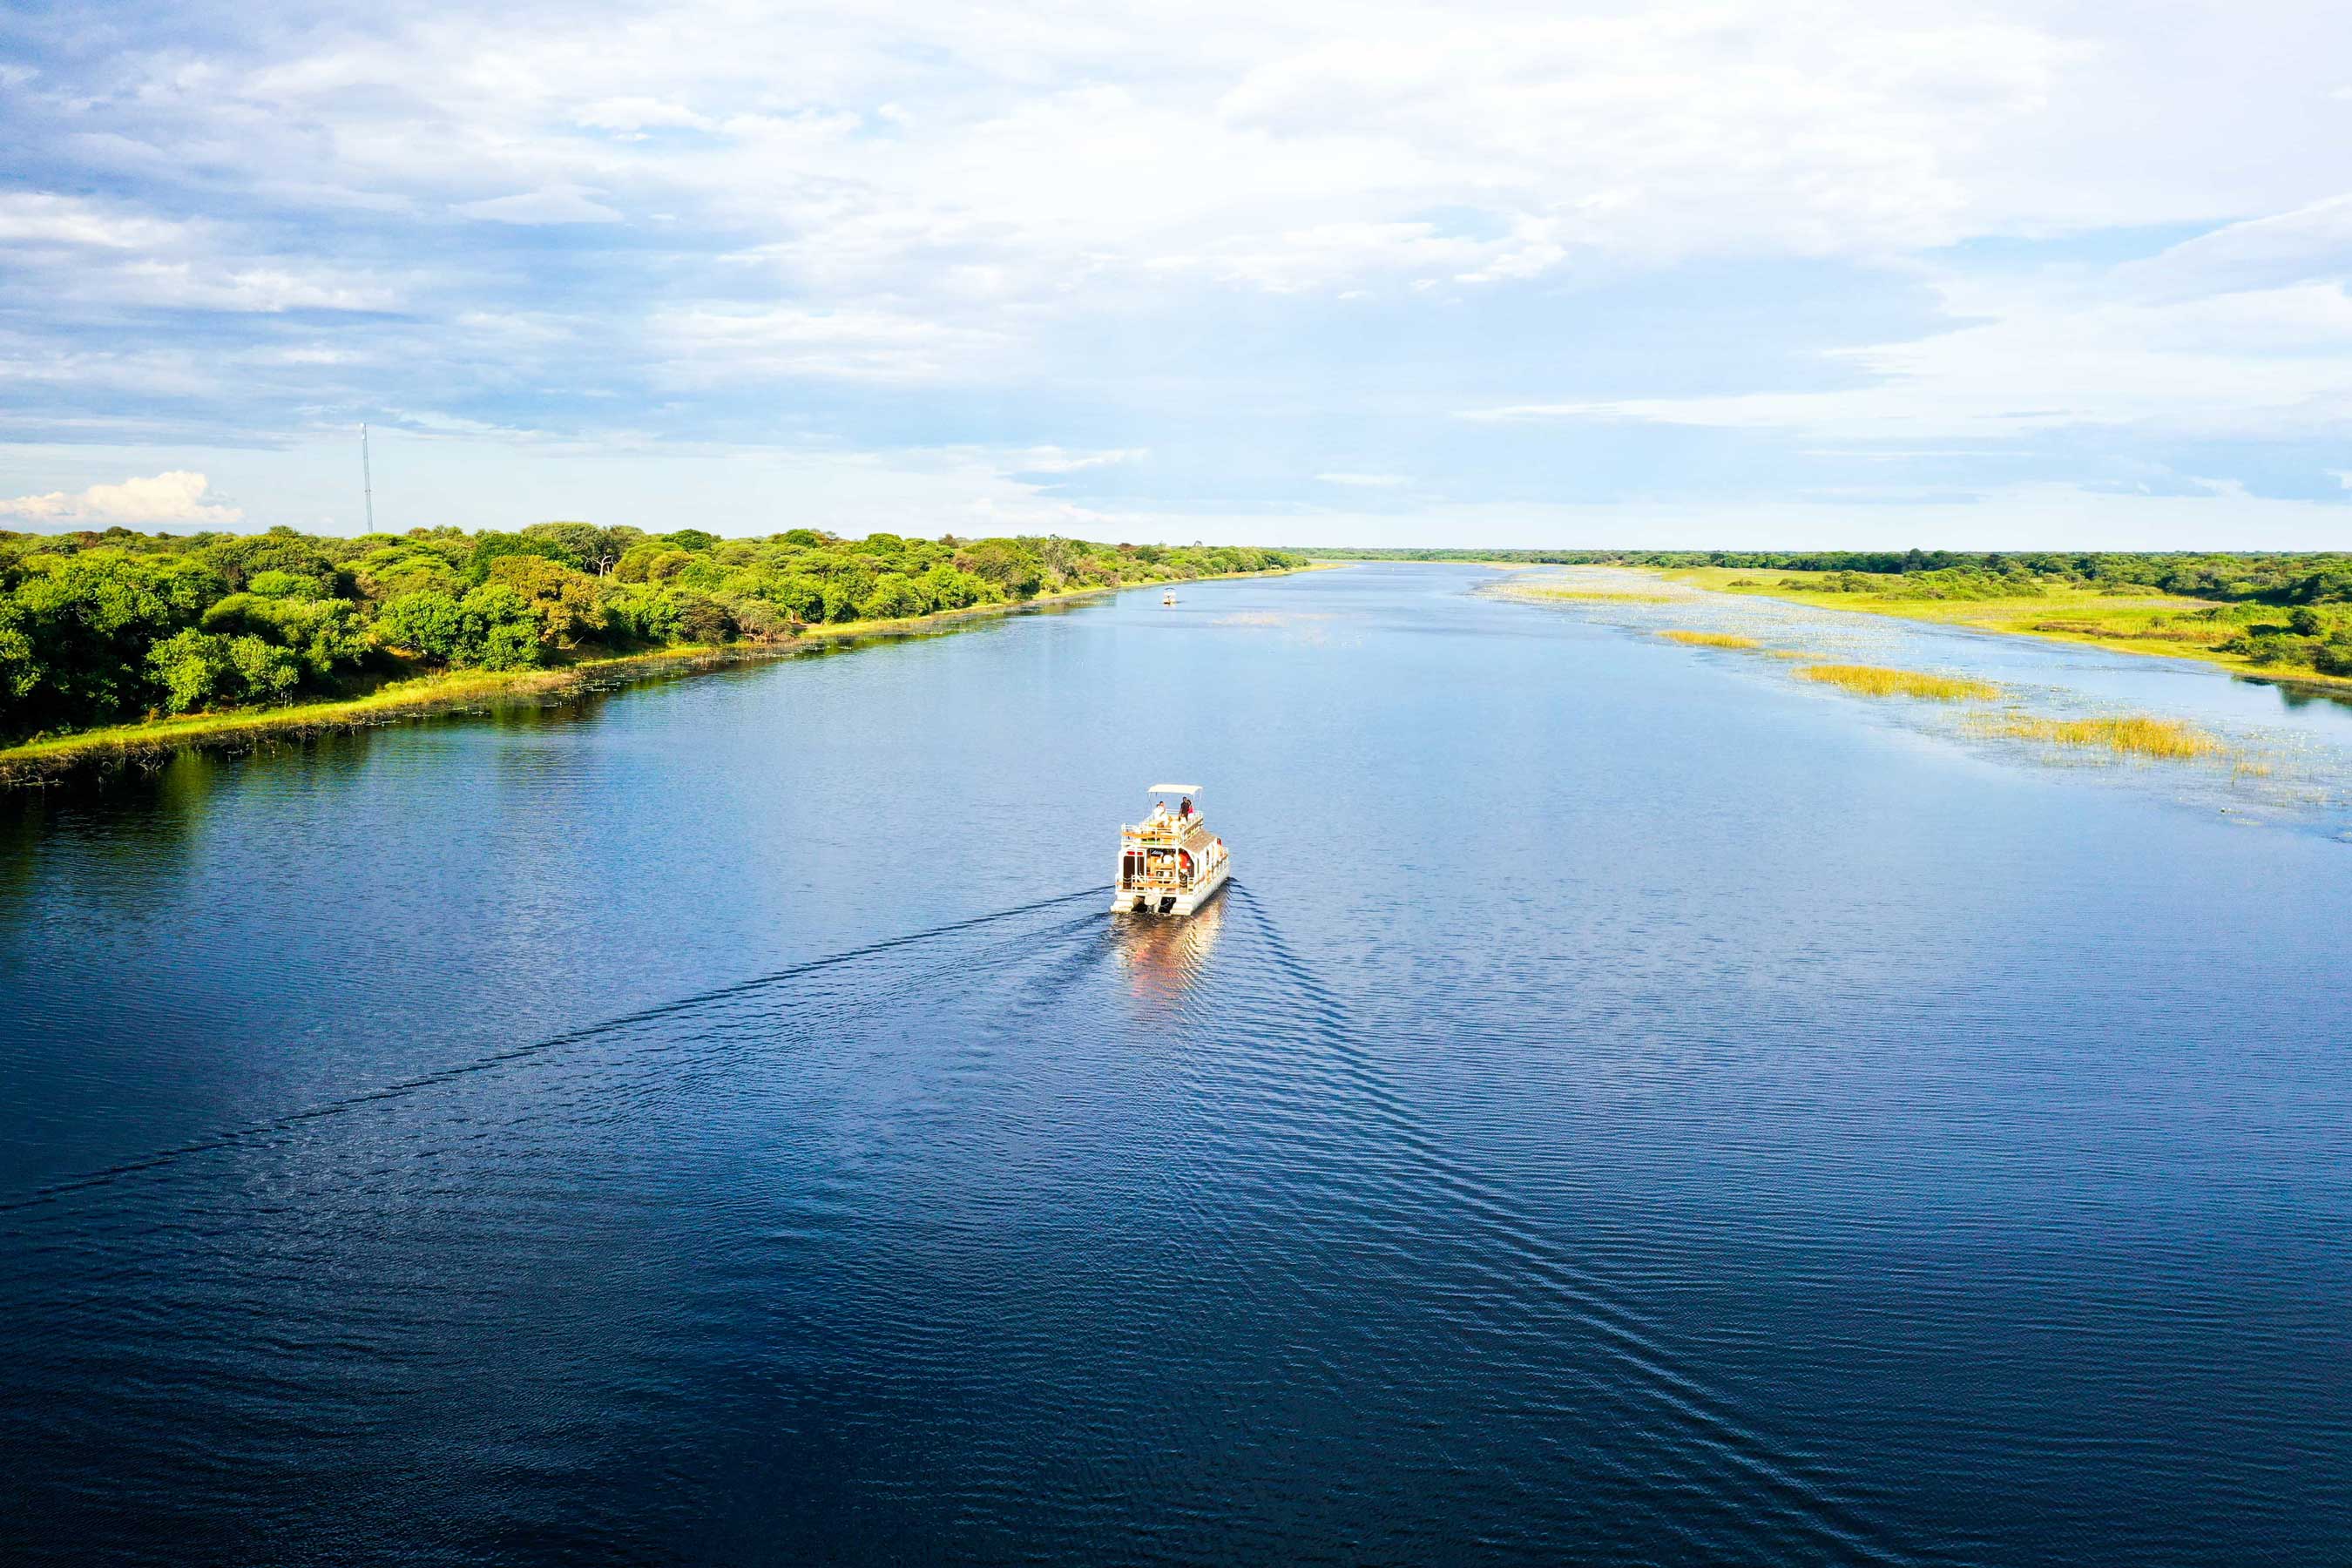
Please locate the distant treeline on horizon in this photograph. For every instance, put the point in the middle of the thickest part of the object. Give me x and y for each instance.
(96, 627)
(2280, 577)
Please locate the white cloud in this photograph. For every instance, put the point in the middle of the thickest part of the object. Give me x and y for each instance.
(68, 249)
(710, 346)
(1055, 460)
(167, 499)
(560, 203)
(1280, 150)
(37, 217)
(628, 114)
(1073, 205)
(2272, 362)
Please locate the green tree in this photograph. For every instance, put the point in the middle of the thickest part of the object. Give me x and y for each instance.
(495, 610)
(801, 597)
(512, 645)
(583, 546)
(428, 621)
(492, 548)
(893, 598)
(194, 671)
(571, 604)
(1005, 564)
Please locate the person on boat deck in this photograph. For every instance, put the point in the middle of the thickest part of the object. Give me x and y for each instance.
(1185, 809)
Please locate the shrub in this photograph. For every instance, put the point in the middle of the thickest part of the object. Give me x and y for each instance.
(277, 584)
(512, 645)
(269, 673)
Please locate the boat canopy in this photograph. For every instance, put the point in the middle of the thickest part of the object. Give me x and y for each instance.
(1173, 789)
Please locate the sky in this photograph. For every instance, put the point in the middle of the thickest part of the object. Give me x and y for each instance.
(1744, 273)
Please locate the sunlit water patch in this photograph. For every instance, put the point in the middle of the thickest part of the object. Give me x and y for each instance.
(2278, 754)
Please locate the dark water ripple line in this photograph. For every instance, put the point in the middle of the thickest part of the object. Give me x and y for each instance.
(682, 1059)
(1395, 1221)
(231, 1137)
(1805, 1503)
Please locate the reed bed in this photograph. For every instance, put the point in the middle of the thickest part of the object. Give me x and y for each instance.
(1877, 680)
(2139, 737)
(1710, 639)
(1589, 596)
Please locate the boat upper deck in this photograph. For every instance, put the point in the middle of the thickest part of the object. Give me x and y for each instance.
(1165, 828)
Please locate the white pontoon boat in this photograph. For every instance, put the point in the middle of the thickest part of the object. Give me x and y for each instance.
(1170, 863)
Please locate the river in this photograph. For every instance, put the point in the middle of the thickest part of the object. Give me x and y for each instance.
(1632, 1106)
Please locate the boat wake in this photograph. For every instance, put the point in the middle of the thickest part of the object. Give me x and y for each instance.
(1161, 1171)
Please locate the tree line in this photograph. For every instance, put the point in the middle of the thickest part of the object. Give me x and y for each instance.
(100, 628)
(2230, 576)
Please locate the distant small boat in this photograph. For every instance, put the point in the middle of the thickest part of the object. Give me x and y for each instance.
(1169, 597)
(1170, 863)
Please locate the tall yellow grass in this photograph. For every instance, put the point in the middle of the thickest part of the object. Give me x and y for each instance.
(1876, 680)
(2139, 737)
(1710, 639)
(1587, 595)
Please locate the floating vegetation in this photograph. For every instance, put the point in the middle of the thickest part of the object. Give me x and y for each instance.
(2139, 737)
(1710, 639)
(1877, 680)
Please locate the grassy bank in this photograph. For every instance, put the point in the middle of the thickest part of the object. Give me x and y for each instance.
(2148, 622)
(247, 729)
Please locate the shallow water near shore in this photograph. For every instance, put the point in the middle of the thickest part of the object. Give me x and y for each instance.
(1630, 1107)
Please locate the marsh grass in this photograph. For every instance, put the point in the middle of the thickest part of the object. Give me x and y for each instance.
(1589, 596)
(1877, 680)
(1710, 639)
(2139, 737)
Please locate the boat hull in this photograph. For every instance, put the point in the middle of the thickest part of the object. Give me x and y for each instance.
(1158, 901)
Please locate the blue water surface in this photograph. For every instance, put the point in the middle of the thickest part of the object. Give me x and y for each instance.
(1630, 1106)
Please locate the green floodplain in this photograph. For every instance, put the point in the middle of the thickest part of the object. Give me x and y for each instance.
(119, 645)
(2283, 617)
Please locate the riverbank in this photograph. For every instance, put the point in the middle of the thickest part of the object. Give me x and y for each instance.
(238, 730)
(2168, 626)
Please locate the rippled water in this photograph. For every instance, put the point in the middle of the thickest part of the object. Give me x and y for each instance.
(1630, 1107)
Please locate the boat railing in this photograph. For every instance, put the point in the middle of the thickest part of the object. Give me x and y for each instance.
(1171, 830)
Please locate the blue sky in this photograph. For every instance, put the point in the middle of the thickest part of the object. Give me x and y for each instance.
(1722, 274)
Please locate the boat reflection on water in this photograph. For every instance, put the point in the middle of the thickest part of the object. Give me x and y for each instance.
(1162, 958)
